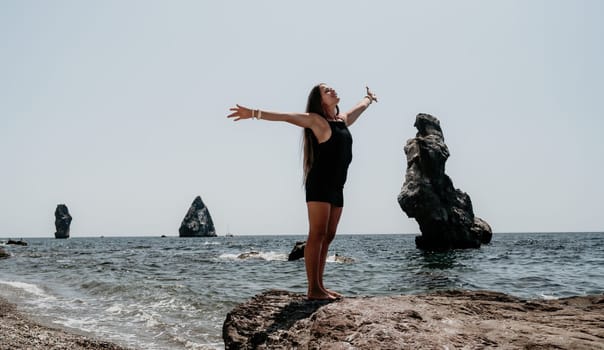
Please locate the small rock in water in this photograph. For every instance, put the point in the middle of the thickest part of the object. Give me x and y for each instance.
(248, 255)
(343, 259)
(3, 253)
(19, 242)
(297, 251)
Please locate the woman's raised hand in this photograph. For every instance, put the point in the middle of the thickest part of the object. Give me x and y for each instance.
(370, 94)
(240, 112)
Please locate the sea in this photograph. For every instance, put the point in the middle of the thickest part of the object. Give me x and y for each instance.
(174, 293)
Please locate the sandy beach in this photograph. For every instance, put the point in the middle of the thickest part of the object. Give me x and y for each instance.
(18, 331)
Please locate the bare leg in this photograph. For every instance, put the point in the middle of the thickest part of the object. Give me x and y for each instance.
(334, 219)
(318, 219)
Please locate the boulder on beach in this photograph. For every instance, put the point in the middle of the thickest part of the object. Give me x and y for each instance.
(444, 214)
(297, 251)
(62, 221)
(442, 320)
(197, 221)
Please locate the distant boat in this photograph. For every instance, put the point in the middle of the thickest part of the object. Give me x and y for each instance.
(229, 234)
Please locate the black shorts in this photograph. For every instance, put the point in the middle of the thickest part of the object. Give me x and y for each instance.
(325, 193)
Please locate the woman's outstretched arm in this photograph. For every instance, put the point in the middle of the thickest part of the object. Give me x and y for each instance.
(304, 120)
(352, 115)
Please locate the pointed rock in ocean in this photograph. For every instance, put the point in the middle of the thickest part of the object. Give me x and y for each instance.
(197, 222)
(444, 214)
(62, 221)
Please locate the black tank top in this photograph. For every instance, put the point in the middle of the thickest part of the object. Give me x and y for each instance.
(332, 157)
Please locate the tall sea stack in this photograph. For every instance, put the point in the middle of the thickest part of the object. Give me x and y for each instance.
(444, 214)
(62, 221)
(197, 222)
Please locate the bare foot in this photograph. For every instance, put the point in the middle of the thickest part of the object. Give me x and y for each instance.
(320, 295)
(331, 292)
(334, 294)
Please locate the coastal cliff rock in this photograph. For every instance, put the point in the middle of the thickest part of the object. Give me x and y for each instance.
(62, 221)
(197, 222)
(444, 214)
(444, 320)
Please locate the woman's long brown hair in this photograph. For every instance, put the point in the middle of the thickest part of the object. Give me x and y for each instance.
(313, 105)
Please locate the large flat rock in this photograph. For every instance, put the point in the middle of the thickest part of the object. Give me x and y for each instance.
(445, 320)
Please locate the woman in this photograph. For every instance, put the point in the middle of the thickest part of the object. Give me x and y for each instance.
(327, 154)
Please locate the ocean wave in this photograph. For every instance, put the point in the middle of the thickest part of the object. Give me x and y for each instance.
(28, 288)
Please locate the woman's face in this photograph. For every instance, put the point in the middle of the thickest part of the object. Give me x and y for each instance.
(329, 96)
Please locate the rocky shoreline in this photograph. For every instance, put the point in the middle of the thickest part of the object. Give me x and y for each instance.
(19, 332)
(444, 320)
(454, 319)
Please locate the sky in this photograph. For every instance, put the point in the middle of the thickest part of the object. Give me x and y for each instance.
(118, 110)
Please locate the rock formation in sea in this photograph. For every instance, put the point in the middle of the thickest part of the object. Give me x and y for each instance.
(444, 214)
(442, 320)
(197, 222)
(3, 253)
(62, 221)
(297, 251)
(16, 242)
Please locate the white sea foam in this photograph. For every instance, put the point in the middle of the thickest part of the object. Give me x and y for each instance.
(115, 309)
(273, 256)
(84, 324)
(28, 288)
(547, 297)
(228, 256)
